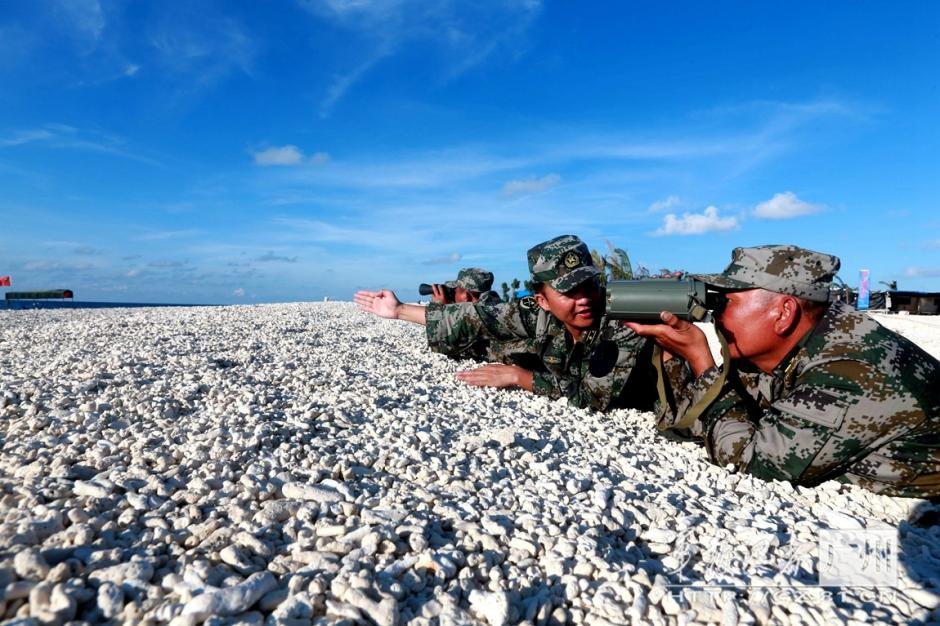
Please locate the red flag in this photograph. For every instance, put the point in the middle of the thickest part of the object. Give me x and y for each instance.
(6, 281)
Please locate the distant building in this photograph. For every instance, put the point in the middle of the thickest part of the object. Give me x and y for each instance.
(51, 294)
(913, 302)
(916, 302)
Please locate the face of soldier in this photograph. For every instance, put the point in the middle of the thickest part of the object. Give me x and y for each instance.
(747, 323)
(578, 309)
(465, 295)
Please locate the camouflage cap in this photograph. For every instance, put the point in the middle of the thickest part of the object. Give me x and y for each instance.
(472, 279)
(783, 269)
(563, 263)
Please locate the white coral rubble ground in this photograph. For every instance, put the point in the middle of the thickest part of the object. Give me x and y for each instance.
(310, 464)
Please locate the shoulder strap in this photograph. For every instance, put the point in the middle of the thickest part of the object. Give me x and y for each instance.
(541, 323)
(695, 411)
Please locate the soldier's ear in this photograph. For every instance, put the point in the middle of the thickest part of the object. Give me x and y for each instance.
(541, 300)
(787, 314)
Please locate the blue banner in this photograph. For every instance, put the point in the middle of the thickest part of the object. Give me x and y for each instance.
(863, 292)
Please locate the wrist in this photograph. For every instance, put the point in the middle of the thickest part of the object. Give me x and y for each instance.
(701, 364)
(524, 378)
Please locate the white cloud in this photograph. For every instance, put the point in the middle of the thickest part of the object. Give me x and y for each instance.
(168, 234)
(784, 206)
(288, 155)
(319, 158)
(21, 137)
(337, 90)
(464, 34)
(47, 265)
(198, 47)
(453, 257)
(697, 223)
(667, 203)
(84, 19)
(239, 293)
(428, 169)
(271, 257)
(285, 155)
(530, 185)
(38, 266)
(735, 150)
(71, 138)
(132, 273)
(922, 272)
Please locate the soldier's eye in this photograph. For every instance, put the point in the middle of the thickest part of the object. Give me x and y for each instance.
(717, 302)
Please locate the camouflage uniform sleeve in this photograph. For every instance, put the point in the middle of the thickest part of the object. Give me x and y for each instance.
(453, 328)
(683, 391)
(605, 369)
(544, 384)
(837, 413)
(677, 373)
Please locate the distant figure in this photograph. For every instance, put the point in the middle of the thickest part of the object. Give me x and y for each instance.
(814, 391)
(473, 284)
(555, 344)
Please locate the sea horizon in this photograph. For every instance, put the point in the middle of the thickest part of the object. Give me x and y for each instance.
(21, 305)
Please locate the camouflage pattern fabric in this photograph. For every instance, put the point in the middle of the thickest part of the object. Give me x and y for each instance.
(563, 263)
(597, 371)
(478, 350)
(490, 297)
(472, 279)
(854, 402)
(782, 269)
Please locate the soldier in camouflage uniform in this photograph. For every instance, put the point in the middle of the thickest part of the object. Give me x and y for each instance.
(815, 390)
(473, 284)
(555, 343)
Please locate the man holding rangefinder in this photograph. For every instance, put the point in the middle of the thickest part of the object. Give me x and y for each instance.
(473, 284)
(814, 390)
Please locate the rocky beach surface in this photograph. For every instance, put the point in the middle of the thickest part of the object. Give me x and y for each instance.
(309, 464)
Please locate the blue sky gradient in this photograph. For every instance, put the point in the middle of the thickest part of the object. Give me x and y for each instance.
(220, 152)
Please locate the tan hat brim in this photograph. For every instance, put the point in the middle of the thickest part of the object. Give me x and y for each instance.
(722, 282)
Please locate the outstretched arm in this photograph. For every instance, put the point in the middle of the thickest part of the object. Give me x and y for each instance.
(385, 304)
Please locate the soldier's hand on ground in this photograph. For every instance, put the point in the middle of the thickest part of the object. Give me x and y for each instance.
(438, 294)
(497, 375)
(383, 303)
(678, 337)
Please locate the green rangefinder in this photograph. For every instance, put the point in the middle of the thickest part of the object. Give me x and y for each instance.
(644, 300)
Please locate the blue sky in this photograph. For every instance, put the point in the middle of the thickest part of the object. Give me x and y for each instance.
(218, 152)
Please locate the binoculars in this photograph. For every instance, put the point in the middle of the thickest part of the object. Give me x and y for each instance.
(644, 300)
(449, 292)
